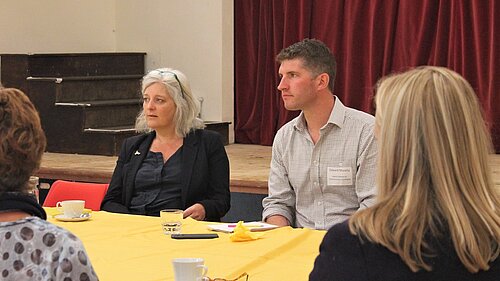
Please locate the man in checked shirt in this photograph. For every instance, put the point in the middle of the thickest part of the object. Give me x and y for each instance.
(323, 162)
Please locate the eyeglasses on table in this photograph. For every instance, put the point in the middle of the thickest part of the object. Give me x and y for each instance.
(242, 277)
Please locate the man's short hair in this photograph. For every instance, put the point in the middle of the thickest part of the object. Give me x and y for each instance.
(315, 55)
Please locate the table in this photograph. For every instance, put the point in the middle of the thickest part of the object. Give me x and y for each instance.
(131, 247)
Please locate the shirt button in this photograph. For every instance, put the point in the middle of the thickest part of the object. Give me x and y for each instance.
(319, 203)
(315, 163)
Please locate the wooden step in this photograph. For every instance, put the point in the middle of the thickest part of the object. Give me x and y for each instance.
(60, 79)
(221, 127)
(87, 102)
(90, 88)
(90, 143)
(104, 113)
(97, 103)
(111, 130)
(16, 67)
(78, 64)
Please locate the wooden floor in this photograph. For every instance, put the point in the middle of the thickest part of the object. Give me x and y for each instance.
(249, 167)
(495, 169)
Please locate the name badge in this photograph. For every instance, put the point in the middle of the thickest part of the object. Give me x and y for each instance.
(339, 176)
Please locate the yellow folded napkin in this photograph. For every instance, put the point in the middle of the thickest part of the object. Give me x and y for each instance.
(242, 233)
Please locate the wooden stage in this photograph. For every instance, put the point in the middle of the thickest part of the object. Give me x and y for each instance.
(249, 166)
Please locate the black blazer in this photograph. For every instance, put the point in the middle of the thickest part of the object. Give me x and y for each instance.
(344, 257)
(205, 173)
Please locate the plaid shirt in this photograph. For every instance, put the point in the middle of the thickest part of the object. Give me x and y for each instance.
(302, 185)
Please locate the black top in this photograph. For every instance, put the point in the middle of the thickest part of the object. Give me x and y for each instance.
(10, 201)
(344, 257)
(204, 173)
(158, 184)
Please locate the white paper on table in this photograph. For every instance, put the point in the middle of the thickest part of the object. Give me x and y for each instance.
(253, 226)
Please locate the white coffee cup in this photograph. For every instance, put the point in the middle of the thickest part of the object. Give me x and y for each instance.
(189, 269)
(71, 208)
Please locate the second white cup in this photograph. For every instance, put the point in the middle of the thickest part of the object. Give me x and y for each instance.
(71, 208)
(189, 269)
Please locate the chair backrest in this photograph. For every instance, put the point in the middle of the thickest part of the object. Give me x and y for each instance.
(92, 193)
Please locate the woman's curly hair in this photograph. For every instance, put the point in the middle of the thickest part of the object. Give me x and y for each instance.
(22, 140)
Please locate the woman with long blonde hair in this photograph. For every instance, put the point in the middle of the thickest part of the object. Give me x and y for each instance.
(437, 215)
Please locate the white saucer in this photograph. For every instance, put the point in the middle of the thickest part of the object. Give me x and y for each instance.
(83, 217)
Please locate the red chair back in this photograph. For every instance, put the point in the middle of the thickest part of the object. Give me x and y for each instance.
(92, 193)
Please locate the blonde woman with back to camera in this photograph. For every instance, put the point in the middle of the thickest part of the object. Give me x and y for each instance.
(437, 214)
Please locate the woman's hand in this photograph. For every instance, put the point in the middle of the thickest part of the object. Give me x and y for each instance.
(197, 212)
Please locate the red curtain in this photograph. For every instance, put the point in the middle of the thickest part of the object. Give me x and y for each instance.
(370, 39)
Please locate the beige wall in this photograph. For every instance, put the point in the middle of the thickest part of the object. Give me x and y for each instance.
(194, 36)
(54, 26)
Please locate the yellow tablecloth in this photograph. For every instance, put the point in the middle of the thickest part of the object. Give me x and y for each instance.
(129, 247)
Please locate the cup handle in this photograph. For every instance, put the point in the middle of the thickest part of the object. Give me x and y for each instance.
(204, 273)
(58, 206)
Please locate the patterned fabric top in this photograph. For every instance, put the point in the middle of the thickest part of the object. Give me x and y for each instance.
(34, 249)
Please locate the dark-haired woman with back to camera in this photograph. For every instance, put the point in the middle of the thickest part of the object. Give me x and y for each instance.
(174, 164)
(30, 247)
(437, 214)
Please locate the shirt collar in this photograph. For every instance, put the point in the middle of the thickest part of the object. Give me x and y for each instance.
(338, 113)
(336, 116)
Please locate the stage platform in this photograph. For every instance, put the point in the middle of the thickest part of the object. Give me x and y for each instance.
(249, 167)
